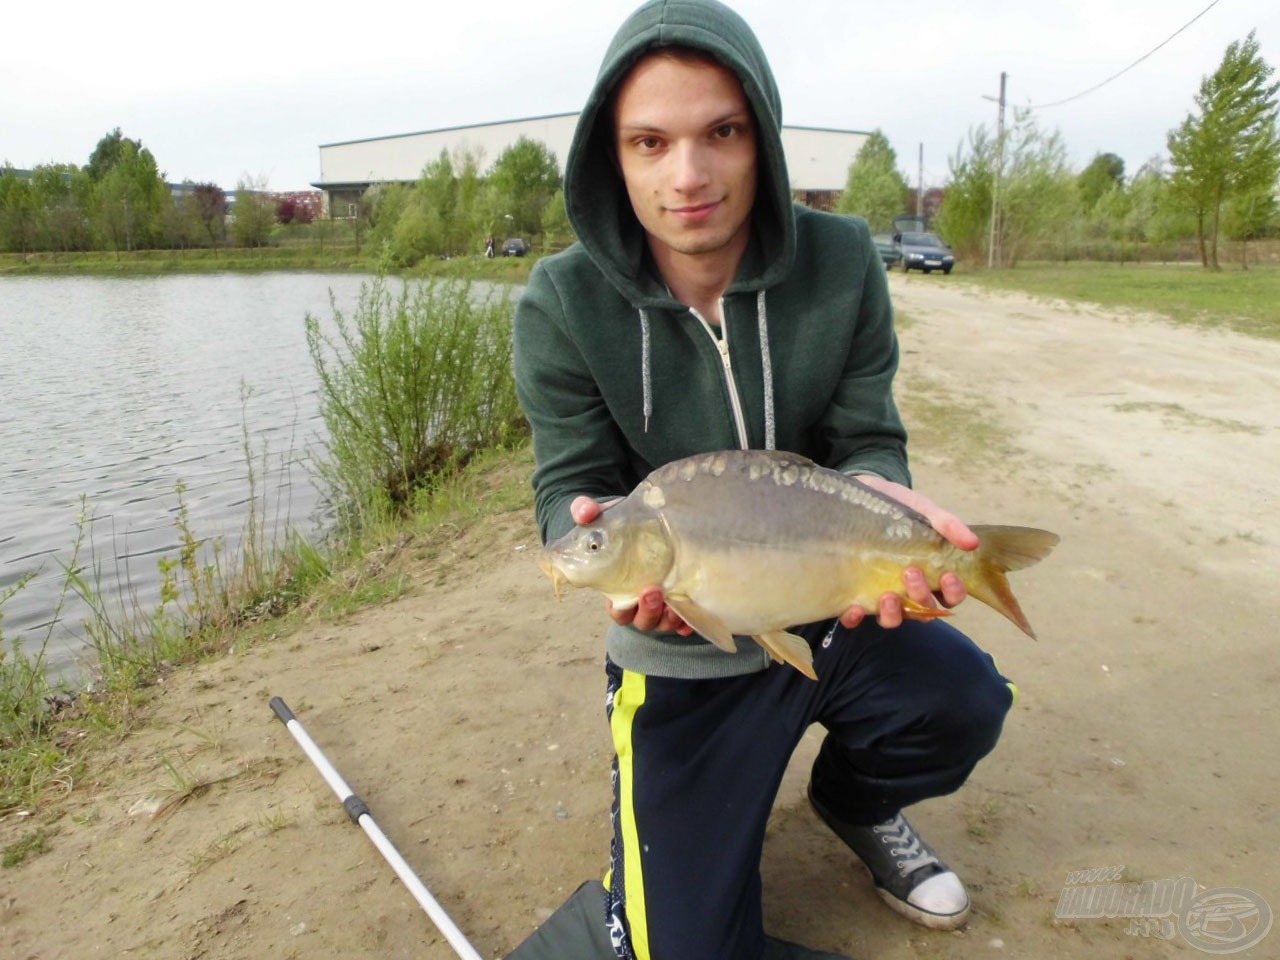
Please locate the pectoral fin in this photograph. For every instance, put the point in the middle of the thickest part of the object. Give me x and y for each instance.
(788, 648)
(707, 624)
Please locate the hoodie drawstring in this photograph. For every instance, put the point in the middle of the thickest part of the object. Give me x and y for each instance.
(647, 386)
(766, 369)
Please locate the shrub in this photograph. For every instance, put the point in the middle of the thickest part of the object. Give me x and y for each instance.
(410, 389)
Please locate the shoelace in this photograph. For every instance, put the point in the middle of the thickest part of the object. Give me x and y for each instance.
(909, 848)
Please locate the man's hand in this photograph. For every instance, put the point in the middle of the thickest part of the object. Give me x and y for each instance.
(951, 587)
(651, 613)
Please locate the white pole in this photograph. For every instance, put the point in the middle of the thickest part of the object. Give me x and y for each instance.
(359, 814)
(920, 185)
(993, 243)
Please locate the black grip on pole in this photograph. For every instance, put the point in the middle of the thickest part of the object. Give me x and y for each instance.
(355, 807)
(282, 711)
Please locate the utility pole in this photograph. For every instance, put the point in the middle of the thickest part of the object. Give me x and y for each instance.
(992, 253)
(920, 185)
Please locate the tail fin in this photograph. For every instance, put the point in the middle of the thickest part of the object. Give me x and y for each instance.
(1004, 549)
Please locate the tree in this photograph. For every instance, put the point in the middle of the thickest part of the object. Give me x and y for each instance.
(381, 206)
(253, 213)
(557, 232)
(423, 228)
(108, 152)
(61, 192)
(875, 188)
(1104, 172)
(1038, 197)
(524, 177)
(965, 217)
(18, 215)
(1155, 216)
(1228, 147)
(211, 208)
(1249, 216)
(129, 196)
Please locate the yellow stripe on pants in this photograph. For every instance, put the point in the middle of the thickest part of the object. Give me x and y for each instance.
(626, 701)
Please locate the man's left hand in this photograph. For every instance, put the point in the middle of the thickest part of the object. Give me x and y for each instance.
(951, 589)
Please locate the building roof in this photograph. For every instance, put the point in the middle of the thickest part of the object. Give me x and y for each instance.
(818, 158)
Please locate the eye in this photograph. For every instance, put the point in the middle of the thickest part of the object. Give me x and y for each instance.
(595, 541)
(725, 131)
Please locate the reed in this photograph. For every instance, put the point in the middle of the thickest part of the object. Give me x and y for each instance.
(411, 388)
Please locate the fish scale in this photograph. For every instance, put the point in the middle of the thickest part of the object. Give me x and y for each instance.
(751, 542)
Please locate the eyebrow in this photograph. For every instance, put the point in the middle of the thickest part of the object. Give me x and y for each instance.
(642, 126)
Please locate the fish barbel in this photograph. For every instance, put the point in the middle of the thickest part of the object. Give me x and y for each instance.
(750, 542)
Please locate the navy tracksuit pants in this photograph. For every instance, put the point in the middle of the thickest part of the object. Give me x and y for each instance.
(909, 713)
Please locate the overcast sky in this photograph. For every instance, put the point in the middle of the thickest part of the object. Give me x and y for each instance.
(226, 90)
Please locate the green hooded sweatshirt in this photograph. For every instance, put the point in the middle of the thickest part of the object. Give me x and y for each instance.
(617, 377)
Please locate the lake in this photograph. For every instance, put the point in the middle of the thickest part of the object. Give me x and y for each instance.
(114, 390)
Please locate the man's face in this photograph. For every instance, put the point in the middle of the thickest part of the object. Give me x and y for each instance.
(686, 147)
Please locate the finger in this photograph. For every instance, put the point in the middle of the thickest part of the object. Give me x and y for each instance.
(890, 611)
(852, 617)
(955, 530)
(673, 622)
(918, 587)
(620, 616)
(584, 509)
(649, 610)
(952, 589)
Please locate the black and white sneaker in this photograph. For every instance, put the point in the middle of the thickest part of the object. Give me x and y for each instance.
(908, 875)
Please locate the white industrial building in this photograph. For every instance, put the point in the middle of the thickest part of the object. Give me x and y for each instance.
(818, 159)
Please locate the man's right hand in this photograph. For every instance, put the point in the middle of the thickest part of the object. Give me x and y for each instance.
(651, 612)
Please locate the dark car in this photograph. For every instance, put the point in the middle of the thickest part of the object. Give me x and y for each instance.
(925, 251)
(515, 247)
(889, 251)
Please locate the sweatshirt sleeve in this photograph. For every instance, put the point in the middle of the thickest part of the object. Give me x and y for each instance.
(862, 425)
(578, 447)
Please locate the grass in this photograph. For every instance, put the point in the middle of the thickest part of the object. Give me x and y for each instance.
(1246, 301)
(32, 845)
(1175, 413)
(330, 257)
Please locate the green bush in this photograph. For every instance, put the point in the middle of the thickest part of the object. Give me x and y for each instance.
(410, 389)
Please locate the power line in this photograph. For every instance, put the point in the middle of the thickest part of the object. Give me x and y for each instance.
(1097, 86)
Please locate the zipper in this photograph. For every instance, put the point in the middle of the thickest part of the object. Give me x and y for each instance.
(722, 345)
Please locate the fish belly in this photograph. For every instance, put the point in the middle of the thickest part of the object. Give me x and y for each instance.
(754, 591)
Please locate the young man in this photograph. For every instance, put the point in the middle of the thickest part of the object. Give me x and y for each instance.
(701, 311)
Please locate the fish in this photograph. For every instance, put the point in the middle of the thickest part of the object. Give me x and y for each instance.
(752, 542)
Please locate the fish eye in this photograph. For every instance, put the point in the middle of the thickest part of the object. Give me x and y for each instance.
(595, 540)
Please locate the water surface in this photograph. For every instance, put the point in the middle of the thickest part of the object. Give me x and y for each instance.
(117, 389)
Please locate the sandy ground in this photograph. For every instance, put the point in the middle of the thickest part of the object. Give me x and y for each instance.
(469, 714)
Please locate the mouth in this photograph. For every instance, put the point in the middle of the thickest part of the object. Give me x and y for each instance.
(696, 212)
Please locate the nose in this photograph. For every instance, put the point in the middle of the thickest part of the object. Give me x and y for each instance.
(690, 167)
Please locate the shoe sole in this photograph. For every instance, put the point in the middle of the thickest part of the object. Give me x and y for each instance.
(934, 921)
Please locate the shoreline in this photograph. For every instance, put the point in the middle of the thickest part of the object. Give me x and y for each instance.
(246, 260)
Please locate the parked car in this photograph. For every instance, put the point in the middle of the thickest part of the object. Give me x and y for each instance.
(924, 251)
(889, 251)
(515, 247)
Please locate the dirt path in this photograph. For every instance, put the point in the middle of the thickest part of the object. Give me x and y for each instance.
(469, 714)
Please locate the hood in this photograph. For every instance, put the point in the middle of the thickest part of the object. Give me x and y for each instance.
(595, 197)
